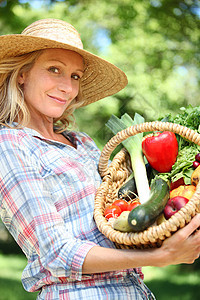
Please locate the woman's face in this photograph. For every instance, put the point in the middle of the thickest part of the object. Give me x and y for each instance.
(52, 83)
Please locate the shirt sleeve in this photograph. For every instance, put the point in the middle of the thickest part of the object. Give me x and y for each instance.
(27, 210)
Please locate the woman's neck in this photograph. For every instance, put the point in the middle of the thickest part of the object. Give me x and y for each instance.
(52, 135)
(46, 129)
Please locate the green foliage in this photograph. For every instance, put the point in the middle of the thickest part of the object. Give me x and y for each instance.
(188, 116)
(156, 43)
(11, 267)
(173, 282)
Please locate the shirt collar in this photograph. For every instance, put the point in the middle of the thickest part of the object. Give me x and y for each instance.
(70, 135)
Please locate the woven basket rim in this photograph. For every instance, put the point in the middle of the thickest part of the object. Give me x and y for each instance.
(155, 233)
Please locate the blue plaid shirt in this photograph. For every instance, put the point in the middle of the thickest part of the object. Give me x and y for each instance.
(47, 200)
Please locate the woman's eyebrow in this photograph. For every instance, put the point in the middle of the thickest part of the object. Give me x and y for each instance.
(57, 60)
(80, 70)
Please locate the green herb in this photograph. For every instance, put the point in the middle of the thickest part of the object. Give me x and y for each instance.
(189, 117)
(183, 166)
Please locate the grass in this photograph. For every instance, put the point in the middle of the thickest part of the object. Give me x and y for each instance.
(11, 267)
(171, 282)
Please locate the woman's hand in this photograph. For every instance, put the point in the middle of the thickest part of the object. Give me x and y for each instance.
(182, 247)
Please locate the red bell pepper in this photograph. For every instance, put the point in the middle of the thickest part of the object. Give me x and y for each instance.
(161, 150)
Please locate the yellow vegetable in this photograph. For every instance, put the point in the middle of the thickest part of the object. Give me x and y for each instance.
(121, 223)
(195, 176)
(183, 190)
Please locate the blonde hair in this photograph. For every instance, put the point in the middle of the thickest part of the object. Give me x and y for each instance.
(12, 104)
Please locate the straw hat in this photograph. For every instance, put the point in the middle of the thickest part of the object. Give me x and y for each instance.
(101, 78)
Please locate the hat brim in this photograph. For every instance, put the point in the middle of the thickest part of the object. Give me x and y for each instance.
(101, 78)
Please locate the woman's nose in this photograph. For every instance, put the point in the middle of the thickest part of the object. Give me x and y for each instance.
(65, 85)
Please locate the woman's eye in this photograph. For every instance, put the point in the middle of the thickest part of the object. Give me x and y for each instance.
(54, 70)
(76, 77)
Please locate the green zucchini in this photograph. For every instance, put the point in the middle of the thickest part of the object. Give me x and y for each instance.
(144, 215)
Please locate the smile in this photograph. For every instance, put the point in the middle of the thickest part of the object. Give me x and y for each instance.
(59, 100)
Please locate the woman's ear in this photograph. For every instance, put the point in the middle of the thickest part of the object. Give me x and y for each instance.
(21, 78)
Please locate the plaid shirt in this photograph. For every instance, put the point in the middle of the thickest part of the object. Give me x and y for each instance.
(47, 199)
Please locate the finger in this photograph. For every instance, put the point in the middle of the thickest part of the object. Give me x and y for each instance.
(192, 226)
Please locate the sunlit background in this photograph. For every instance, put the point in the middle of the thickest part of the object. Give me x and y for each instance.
(156, 43)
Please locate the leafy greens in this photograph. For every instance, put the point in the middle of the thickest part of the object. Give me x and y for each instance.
(189, 117)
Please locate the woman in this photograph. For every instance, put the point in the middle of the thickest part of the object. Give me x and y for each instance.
(49, 174)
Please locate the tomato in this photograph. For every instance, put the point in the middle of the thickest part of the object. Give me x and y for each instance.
(121, 203)
(112, 211)
(161, 150)
(195, 164)
(197, 157)
(133, 204)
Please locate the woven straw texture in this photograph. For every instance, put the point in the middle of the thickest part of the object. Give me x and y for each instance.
(117, 173)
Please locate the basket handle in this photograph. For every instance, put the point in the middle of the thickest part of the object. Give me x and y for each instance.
(185, 132)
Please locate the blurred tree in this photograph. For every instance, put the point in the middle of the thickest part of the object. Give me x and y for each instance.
(155, 42)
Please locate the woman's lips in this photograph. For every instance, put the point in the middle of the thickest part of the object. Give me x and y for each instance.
(57, 99)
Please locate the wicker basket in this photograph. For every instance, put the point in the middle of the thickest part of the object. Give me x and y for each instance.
(117, 173)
